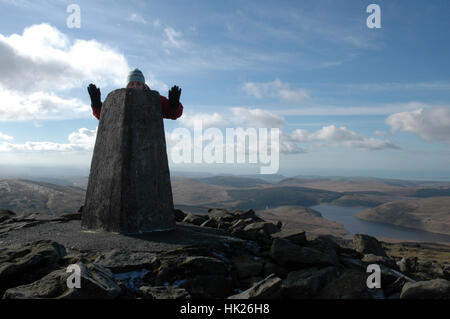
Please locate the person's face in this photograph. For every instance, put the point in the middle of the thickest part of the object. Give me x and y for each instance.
(135, 85)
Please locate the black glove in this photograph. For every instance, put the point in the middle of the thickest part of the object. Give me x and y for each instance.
(174, 96)
(95, 94)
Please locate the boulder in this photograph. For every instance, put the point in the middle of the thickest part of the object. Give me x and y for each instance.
(268, 288)
(164, 292)
(195, 219)
(380, 260)
(221, 215)
(96, 282)
(26, 263)
(351, 284)
(430, 289)
(297, 237)
(271, 267)
(246, 266)
(366, 244)
(409, 265)
(192, 266)
(179, 215)
(257, 231)
(286, 253)
(308, 282)
(6, 214)
(120, 261)
(208, 286)
(210, 222)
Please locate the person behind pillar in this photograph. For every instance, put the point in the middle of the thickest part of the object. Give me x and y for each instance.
(171, 108)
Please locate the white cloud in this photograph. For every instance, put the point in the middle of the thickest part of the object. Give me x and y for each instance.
(275, 89)
(431, 124)
(136, 17)
(156, 23)
(173, 38)
(255, 118)
(42, 62)
(380, 133)
(81, 141)
(207, 120)
(354, 110)
(38, 106)
(5, 137)
(340, 135)
(45, 58)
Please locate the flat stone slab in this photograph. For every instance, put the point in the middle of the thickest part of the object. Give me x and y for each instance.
(72, 236)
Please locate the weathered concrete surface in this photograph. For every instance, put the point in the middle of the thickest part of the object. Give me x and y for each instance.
(129, 188)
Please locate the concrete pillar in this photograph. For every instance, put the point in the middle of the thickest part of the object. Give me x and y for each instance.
(129, 188)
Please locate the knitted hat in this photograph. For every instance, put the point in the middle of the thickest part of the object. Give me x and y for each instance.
(136, 75)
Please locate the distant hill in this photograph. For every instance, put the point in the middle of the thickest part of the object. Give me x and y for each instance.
(259, 198)
(233, 181)
(429, 214)
(24, 196)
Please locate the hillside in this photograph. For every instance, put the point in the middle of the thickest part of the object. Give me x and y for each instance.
(429, 214)
(23, 197)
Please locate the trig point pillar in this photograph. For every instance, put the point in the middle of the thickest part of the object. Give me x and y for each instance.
(129, 188)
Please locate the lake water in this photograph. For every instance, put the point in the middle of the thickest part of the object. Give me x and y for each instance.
(346, 216)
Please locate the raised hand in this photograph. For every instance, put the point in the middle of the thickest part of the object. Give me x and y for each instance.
(174, 96)
(95, 95)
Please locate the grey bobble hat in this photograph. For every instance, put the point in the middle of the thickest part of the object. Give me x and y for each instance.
(136, 75)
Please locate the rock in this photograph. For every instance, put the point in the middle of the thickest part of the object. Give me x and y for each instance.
(221, 215)
(394, 288)
(273, 268)
(164, 292)
(351, 284)
(240, 224)
(208, 286)
(430, 289)
(179, 215)
(195, 219)
(295, 236)
(120, 261)
(96, 282)
(286, 253)
(268, 288)
(210, 222)
(256, 231)
(240, 214)
(380, 260)
(27, 263)
(129, 188)
(409, 264)
(6, 214)
(193, 266)
(267, 228)
(71, 216)
(246, 266)
(366, 244)
(306, 283)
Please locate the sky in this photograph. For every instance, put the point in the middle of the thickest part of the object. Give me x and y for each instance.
(347, 99)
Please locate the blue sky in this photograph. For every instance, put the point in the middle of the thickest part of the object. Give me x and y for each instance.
(348, 100)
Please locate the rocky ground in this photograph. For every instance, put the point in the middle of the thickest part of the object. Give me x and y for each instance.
(225, 254)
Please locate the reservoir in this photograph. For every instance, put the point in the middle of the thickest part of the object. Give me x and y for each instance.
(354, 225)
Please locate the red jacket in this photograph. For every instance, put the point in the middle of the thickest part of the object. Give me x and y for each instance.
(166, 110)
